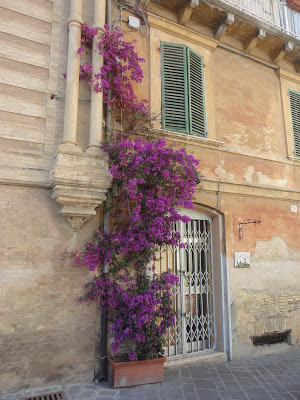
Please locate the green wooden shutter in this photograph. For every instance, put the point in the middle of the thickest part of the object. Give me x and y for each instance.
(196, 94)
(295, 111)
(174, 88)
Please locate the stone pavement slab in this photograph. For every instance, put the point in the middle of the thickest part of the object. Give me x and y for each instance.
(263, 378)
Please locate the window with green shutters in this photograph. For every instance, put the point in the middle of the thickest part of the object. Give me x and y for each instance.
(183, 100)
(295, 112)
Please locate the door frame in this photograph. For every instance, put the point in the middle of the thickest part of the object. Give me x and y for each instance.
(221, 295)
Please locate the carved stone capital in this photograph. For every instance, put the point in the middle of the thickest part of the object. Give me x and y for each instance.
(79, 183)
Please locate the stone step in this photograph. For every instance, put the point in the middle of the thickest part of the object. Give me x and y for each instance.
(197, 358)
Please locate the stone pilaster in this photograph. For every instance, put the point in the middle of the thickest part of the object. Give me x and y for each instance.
(96, 136)
(80, 180)
(72, 84)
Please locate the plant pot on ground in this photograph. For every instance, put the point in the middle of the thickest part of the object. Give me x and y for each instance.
(134, 373)
(140, 310)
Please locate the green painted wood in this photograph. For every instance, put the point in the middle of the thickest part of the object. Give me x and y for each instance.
(295, 114)
(197, 114)
(183, 98)
(174, 88)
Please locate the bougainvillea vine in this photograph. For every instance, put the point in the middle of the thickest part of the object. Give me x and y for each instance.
(151, 182)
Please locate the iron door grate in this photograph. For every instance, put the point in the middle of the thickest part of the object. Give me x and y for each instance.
(48, 396)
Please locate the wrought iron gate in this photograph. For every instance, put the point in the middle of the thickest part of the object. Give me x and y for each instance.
(194, 329)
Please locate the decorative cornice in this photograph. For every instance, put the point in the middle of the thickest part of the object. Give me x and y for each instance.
(245, 189)
(187, 139)
(182, 32)
(289, 75)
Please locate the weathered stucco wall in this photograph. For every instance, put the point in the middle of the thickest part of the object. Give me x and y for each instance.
(265, 297)
(248, 106)
(247, 174)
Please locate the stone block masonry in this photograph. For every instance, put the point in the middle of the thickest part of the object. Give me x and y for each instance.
(45, 335)
(261, 312)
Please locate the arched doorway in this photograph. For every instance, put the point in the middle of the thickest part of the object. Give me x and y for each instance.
(199, 267)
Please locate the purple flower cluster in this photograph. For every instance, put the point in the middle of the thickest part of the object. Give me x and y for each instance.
(85, 70)
(121, 67)
(140, 309)
(153, 181)
(87, 35)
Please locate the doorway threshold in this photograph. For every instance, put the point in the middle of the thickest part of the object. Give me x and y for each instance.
(197, 358)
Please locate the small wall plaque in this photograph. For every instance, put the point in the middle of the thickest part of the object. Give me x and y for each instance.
(242, 259)
(294, 208)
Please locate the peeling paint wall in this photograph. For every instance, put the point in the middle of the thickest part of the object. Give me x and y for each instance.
(248, 105)
(246, 174)
(265, 297)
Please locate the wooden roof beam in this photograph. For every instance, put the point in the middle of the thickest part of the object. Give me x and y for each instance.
(221, 30)
(252, 43)
(282, 51)
(297, 63)
(185, 12)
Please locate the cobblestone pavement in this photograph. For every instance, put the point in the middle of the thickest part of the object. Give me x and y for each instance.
(264, 378)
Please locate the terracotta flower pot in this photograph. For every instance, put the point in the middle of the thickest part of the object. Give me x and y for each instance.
(294, 5)
(134, 373)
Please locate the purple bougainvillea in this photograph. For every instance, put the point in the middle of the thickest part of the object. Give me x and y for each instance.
(140, 309)
(120, 68)
(151, 182)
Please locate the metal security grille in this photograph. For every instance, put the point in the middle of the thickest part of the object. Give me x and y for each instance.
(193, 330)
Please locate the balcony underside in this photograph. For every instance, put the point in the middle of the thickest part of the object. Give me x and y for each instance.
(240, 28)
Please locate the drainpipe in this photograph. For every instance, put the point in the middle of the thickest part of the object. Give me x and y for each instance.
(229, 332)
(224, 46)
(103, 328)
(72, 81)
(226, 319)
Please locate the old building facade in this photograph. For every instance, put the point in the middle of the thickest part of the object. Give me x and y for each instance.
(224, 75)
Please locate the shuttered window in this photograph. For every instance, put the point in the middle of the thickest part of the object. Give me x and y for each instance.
(295, 112)
(183, 100)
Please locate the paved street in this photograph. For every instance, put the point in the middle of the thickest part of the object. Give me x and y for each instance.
(263, 378)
